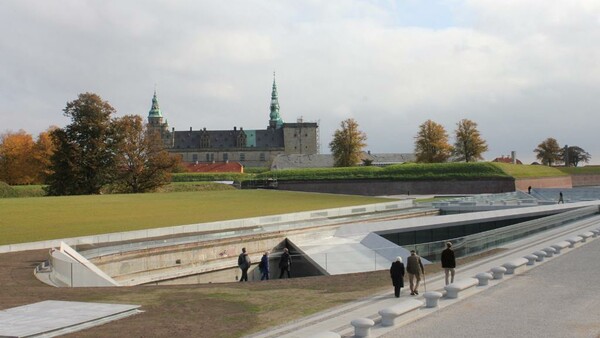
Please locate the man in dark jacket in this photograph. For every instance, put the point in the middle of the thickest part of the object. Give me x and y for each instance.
(414, 268)
(285, 263)
(244, 264)
(264, 266)
(397, 274)
(448, 262)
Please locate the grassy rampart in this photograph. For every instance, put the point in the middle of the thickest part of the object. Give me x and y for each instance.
(400, 172)
(529, 171)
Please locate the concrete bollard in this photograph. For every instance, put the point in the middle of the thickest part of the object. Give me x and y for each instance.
(390, 314)
(573, 241)
(484, 278)
(531, 259)
(362, 326)
(549, 251)
(498, 272)
(431, 298)
(540, 255)
(560, 246)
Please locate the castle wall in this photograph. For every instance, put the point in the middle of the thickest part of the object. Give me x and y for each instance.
(585, 180)
(543, 182)
(249, 157)
(300, 138)
(385, 187)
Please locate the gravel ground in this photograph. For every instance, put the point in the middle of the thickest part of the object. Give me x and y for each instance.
(560, 298)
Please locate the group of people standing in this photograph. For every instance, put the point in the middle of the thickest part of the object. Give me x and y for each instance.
(415, 270)
(285, 265)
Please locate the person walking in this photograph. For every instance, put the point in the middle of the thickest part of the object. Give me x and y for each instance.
(285, 263)
(397, 274)
(264, 266)
(414, 268)
(560, 198)
(448, 262)
(244, 264)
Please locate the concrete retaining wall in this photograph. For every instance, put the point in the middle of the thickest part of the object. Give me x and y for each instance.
(152, 265)
(377, 188)
(545, 182)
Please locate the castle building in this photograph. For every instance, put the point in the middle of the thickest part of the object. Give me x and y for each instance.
(250, 147)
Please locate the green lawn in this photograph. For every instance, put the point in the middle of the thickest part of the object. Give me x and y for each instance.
(41, 218)
(529, 171)
(589, 169)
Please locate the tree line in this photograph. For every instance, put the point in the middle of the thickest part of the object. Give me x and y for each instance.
(95, 152)
(432, 145)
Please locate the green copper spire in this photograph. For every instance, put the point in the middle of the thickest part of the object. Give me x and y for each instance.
(155, 110)
(275, 121)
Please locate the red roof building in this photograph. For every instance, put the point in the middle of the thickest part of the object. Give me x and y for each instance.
(217, 167)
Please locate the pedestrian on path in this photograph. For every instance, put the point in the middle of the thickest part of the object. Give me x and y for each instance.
(397, 274)
(244, 264)
(448, 262)
(285, 263)
(264, 266)
(414, 268)
(560, 198)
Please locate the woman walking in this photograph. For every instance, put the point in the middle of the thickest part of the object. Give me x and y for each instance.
(397, 274)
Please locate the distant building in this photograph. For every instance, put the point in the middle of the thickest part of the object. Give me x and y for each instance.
(250, 147)
(218, 167)
(297, 161)
(507, 159)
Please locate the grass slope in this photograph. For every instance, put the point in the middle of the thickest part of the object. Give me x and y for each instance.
(35, 219)
(529, 171)
(590, 169)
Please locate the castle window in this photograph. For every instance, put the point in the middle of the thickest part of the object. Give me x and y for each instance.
(194, 157)
(205, 140)
(262, 157)
(225, 157)
(242, 157)
(240, 141)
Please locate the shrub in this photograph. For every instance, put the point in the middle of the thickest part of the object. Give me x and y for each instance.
(6, 190)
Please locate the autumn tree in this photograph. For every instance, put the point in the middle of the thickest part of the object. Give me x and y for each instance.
(142, 162)
(574, 155)
(84, 159)
(468, 145)
(43, 150)
(431, 143)
(16, 163)
(548, 152)
(347, 144)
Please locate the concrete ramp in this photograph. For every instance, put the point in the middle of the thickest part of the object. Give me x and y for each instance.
(52, 318)
(342, 255)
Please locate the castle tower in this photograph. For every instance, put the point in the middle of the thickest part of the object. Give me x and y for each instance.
(155, 118)
(275, 121)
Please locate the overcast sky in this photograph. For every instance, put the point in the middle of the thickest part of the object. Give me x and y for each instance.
(523, 70)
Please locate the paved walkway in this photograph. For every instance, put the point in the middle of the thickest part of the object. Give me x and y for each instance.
(338, 319)
(560, 298)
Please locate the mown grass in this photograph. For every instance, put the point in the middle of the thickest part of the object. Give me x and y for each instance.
(590, 169)
(529, 171)
(42, 218)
